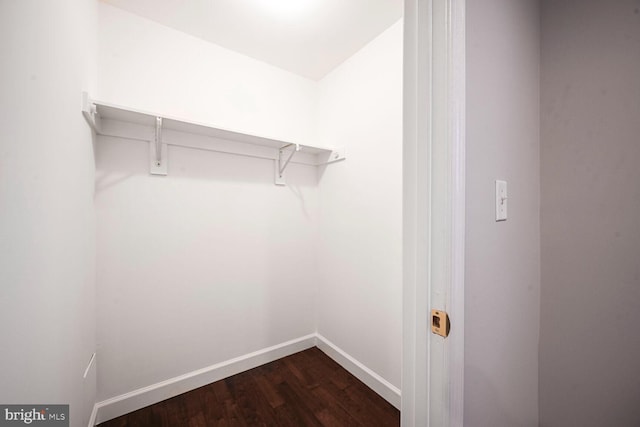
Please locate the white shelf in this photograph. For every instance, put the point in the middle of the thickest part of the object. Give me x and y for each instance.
(161, 131)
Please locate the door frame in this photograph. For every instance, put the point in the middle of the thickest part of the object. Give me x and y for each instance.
(433, 260)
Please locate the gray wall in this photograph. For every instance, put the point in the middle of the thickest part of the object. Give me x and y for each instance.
(503, 259)
(47, 274)
(590, 312)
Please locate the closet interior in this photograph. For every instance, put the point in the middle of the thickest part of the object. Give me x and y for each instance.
(243, 212)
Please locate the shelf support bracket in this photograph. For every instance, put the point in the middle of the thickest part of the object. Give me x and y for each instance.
(158, 152)
(90, 113)
(280, 166)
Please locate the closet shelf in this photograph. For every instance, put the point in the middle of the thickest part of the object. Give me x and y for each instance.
(160, 131)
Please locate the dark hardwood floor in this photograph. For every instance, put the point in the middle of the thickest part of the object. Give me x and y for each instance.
(304, 389)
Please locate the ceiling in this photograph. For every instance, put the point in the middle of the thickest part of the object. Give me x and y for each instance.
(306, 37)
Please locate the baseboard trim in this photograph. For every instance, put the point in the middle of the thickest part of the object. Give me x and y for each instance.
(145, 396)
(374, 381)
(94, 414)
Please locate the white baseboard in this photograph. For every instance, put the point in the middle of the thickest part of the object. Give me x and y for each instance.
(137, 399)
(374, 381)
(94, 414)
(142, 397)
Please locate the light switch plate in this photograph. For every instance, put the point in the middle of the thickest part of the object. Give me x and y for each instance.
(501, 200)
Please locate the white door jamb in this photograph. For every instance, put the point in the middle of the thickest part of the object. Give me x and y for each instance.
(433, 211)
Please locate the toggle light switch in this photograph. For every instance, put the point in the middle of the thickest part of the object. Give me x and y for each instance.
(501, 200)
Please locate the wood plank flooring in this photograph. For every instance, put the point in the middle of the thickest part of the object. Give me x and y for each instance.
(304, 389)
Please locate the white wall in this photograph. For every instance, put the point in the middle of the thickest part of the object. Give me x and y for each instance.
(360, 288)
(47, 251)
(144, 65)
(214, 261)
(590, 345)
(502, 278)
(210, 263)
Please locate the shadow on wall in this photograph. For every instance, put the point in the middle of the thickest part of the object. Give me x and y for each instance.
(132, 157)
(119, 160)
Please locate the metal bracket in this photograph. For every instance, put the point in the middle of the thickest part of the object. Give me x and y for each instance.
(90, 113)
(158, 152)
(280, 166)
(332, 156)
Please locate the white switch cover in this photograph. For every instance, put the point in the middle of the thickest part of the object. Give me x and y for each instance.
(501, 200)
